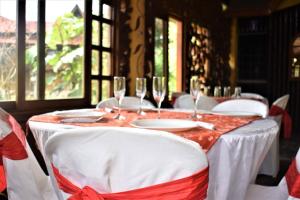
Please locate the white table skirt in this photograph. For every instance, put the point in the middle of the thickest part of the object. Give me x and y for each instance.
(233, 161)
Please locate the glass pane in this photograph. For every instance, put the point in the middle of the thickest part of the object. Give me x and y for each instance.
(105, 89)
(31, 59)
(8, 56)
(95, 33)
(106, 65)
(95, 62)
(95, 92)
(64, 49)
(175, 55)
(106, 35)
(106, 12)
(96, 6)
(158, 48)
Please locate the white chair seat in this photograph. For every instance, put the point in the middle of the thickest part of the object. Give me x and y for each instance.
(259, 192)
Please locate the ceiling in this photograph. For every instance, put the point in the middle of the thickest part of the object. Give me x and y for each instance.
(257, 7)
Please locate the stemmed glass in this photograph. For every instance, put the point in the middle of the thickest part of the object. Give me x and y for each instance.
(159, 91)
(119, 93)
(140, 90)
(195, 92)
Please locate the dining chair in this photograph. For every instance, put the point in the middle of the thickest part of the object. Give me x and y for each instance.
(270, 165)
(128, 102)
(186, 102)
(242, 105)
(127, 163)
(287, 189)
(20, 174)
(251, 95)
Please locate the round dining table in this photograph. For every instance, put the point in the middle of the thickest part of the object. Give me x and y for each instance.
(234, 159)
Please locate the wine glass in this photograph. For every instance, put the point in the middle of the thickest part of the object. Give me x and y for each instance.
(140, 90)
(237, 92)
(226, 92)
(119, 93)
(159, 91)
(195, 92)
(217, 91)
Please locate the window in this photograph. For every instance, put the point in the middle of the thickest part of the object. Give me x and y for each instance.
(295, 59)
(168, 52)
(102, 73)
(58, 47)
(8, 53)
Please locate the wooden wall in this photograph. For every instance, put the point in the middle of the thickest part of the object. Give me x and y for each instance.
(281, 27)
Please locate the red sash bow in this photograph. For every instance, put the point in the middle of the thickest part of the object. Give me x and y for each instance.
(190, 188)
(286, 120)
(12, 146)
(292, 177)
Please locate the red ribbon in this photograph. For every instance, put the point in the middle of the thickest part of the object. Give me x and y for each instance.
(12, 146)
(286, 120)
(190, 188)
(293, 180)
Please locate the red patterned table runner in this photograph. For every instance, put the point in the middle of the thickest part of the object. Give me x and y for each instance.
(206, 138)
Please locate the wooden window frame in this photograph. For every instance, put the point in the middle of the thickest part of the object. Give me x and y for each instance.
(28, 107)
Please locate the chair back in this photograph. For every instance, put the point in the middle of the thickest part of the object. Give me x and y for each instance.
(186, 102)
(293, 177)
(24, 178)
(251, 95)
(282, 101)
(242, 105)
(111, 159)
(128, 102)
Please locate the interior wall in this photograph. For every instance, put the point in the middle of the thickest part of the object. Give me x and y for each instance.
(137, 45)
(283, 28)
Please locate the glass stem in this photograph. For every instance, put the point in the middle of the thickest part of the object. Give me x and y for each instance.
(159, 104)
(119, 107)
(141, 104)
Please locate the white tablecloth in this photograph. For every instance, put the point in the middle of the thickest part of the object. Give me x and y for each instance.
(233, 161)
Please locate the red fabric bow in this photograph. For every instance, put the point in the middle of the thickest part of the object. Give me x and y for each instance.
(293, 180)
(286, 120)
(12, 146)
(190, 188)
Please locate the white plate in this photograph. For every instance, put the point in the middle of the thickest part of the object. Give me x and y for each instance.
(82, 113)
(172, 125)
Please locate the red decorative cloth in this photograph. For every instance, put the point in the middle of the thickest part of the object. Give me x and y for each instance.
(293, 180)
(286, 120)
(206, 138)
(193, 187)
(12, 146)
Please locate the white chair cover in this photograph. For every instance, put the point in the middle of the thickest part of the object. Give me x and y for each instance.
(270, 165)
(242, 105)
(128, 102)
(25, 179)
(186, 102)
(111, 159)
(252, 95)
(280, 192)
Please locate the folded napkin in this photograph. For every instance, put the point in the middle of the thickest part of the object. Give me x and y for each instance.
(206, 125)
